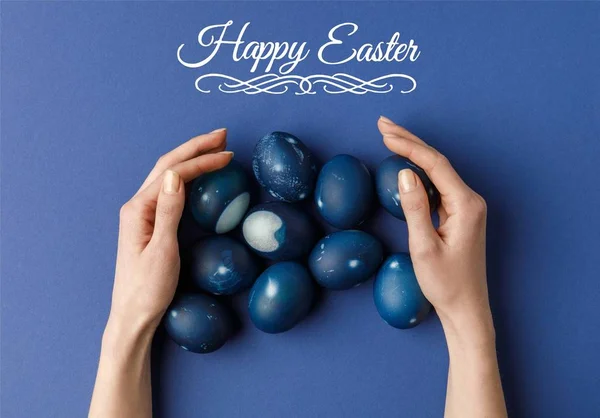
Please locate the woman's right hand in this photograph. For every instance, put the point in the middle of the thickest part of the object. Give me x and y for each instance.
(450, 266)
(449, 262)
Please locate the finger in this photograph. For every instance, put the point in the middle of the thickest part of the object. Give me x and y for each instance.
(415, 204)
(189, 163)
(169, 207)
(139, 213)
(436, 165)
(214, 141)
(387, 127)
(188, 171)
(135, 226)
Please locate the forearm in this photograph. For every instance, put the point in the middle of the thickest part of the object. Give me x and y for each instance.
(122, 386)
(474, 386)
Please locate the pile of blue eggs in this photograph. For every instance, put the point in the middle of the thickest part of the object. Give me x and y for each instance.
(276, 252)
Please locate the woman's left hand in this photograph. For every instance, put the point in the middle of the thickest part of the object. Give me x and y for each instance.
(146, 276)
(147, 269)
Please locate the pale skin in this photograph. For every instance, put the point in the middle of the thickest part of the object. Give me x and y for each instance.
(449, 263)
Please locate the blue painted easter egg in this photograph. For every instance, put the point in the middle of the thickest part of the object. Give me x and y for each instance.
(284, 167)
(281, 297)
(344, 192)
(198, 323)
(219, 199)
(398, 297)
(345, 259)
(386, 181)
(279, 231)
(222, 266)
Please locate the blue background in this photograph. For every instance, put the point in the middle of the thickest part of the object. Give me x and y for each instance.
(92, 94)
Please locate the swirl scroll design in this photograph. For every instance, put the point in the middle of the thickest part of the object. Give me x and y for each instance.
(279, 84)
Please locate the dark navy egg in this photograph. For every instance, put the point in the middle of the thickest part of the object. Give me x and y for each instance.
(279, 231)
(345, 259)
(344, 192)
(222, 266)
(220, 199)
(284, 167)
(198, 323)
(387, 184)
(398, 297)
(281, 297)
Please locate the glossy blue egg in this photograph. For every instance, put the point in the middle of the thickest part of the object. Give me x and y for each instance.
(198, 323)
(345, 259)
(344, 192)
(386, 181)
(281, 297)
(219, 199)
(284, 167)
(222, 266)
(398, 297)
(279, 231)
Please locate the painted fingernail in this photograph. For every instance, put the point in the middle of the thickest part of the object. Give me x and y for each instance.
(407, 180)
(227, 153)
(218, 130)
(171, 182)
(385, 120)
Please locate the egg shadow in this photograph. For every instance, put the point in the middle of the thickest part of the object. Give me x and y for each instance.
(188, 232)
(237, 325)
(238, 305)
(257, 194)
(318, 304)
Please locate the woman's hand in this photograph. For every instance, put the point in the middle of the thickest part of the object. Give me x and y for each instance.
(146, 275)
(148, 262)
(450, 266)
(449, 262)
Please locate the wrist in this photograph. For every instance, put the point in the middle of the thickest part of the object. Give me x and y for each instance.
(470, 330)
(123, 338)
(131, 322)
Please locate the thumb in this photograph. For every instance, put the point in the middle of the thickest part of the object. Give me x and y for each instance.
(169, 208)
(413, 198)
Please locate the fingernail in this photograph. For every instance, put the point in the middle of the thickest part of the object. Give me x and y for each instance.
(218, 130)
(407, 180)
(386, 120)
(171, 182)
